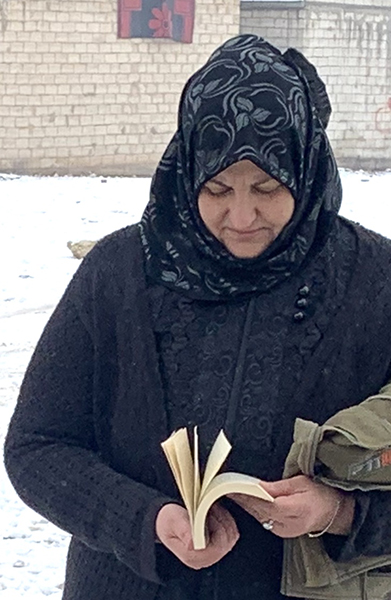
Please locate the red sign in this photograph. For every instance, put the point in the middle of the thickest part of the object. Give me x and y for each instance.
(173, 19)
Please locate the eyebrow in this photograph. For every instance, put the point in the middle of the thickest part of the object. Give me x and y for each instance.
(256, 183)
(213, 180)
(263, 181)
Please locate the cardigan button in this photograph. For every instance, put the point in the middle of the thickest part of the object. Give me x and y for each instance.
(299, 316)
(304, 290)
(301, 302)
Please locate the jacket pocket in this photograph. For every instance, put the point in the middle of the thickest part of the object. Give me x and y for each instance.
(376, 584)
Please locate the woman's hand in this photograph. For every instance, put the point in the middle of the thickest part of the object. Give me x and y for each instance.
(301, 506)
(174, 531)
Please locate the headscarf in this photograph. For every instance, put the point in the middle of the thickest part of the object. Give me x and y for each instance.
(251, 102)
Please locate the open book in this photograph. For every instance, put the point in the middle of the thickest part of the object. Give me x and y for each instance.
(198, 497)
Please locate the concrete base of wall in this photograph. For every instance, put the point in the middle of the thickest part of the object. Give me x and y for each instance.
(365, 164)
(105, 170)
(147, 169)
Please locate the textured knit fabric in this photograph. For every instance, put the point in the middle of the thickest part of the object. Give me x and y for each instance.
(248, 102)
(83, 448)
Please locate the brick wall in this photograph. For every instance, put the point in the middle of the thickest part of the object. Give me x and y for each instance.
(350, 43)
(76, 99)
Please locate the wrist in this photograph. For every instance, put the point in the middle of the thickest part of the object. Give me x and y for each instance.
(342, 523)
(329, 522)
(339, 521)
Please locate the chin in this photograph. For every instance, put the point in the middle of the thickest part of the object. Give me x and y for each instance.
(246, 252)
(247, 248)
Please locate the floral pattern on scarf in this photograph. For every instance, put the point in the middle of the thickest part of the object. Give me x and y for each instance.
(251, 102)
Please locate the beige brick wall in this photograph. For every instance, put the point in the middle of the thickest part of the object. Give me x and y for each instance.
(76, 99)
(282, 27)
(350, 43)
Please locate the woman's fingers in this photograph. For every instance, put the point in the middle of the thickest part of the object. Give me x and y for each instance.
(300, 506)
(280, 520)
(223, 532)
(173, 526)
(259, 509)
(174, 531)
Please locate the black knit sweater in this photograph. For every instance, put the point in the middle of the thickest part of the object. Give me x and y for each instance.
(83, 447)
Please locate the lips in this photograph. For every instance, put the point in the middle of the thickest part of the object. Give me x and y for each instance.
(246, 233)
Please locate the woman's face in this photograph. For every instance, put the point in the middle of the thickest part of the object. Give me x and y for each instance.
(245, 208)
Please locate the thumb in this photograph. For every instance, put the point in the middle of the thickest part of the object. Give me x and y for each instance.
(173, 522)
(182, 526)
(285, 487)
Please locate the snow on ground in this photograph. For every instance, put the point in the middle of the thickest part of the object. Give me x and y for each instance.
(38, 217)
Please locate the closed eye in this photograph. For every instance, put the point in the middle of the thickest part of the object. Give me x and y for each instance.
(269, 187)
(216, 190)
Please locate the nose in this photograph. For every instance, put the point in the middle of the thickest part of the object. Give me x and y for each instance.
(243, 212)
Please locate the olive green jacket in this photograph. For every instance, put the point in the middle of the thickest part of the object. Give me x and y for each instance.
(351, 451)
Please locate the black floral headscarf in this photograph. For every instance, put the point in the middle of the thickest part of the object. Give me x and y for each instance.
(248, 101)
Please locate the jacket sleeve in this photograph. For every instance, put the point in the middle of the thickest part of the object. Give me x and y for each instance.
(51, 453)
(371, 529)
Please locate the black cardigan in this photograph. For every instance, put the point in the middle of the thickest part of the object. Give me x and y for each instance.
(83, 448)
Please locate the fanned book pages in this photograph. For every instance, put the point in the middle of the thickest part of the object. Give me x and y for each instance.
(198, 496)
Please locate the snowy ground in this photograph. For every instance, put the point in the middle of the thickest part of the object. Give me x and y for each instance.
(38, 217)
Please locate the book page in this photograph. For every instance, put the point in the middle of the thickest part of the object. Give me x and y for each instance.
(197, 479)
(225, 483)
(220, 450)
(178, 453)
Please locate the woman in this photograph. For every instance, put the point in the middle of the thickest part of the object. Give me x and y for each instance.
(241, 301)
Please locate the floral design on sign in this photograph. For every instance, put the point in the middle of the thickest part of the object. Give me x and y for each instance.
(158, 19)
(162, 23)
